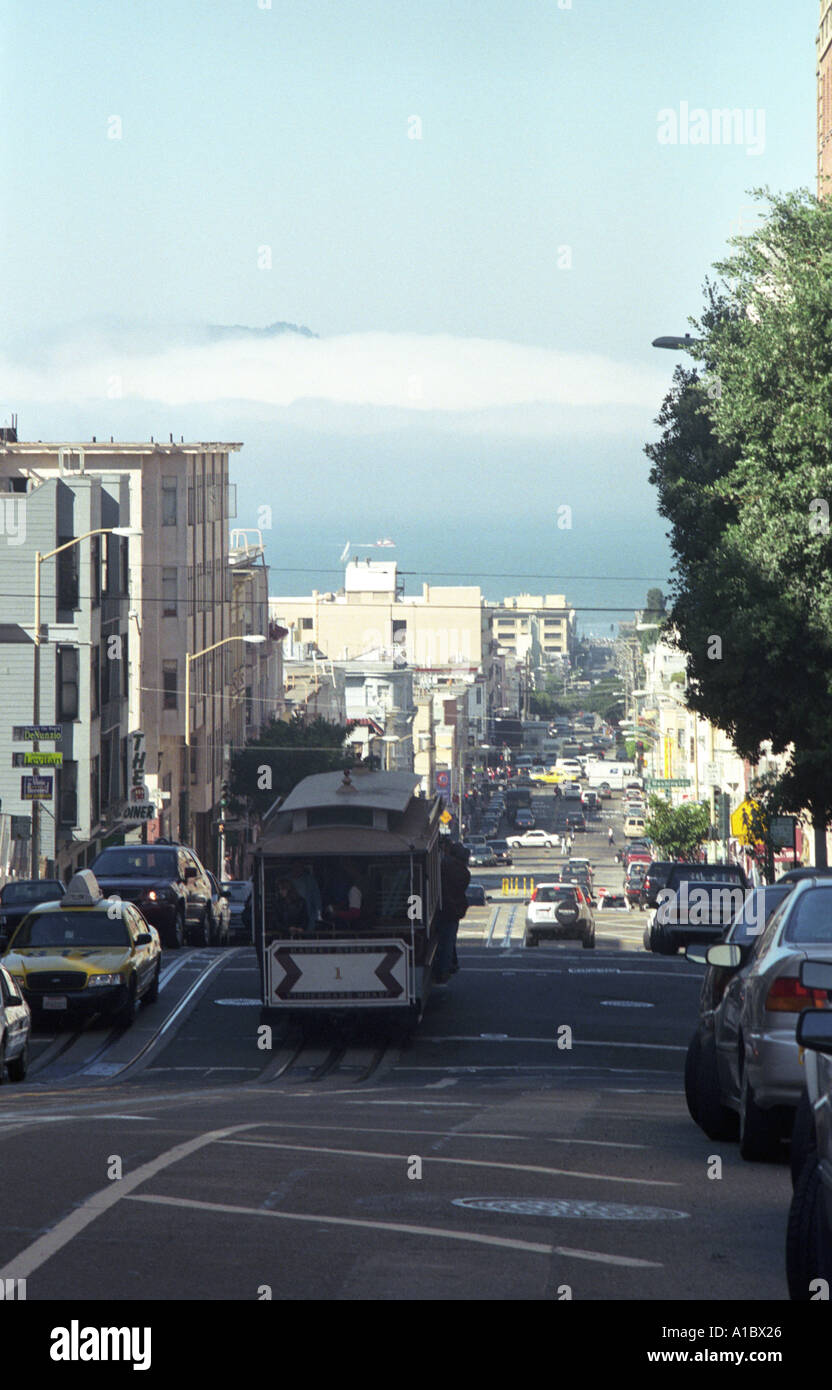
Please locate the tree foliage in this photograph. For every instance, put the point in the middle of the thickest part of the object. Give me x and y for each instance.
(280, 757)
(677, 831)
(743, 470)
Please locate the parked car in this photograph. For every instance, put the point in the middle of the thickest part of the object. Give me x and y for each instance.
(759, 1071)
(697, 903)
(19, 896)
(809, 1230)
(15, 1028)
(167, 883)
(532, 839)
(716, 1026)
(239, 892)
(220, 929)
(85, 954)
(559, 911)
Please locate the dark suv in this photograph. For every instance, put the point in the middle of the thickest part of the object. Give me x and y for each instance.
(167, 883)
(696, 903)
(20, 895)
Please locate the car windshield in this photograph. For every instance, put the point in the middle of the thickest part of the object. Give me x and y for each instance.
(709, 873)
(120, 862)
(550, 892)
(71, 928)
(811, 918)
(38, 892)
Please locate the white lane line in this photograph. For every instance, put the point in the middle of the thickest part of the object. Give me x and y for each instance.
(552, 1042)
(557, 970)
(399, 1228)
(437, 1085)
(22, 1265)
(451, 1133)
(175, 966)
(459, 1162)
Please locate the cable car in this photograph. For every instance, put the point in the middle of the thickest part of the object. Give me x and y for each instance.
(346, 887)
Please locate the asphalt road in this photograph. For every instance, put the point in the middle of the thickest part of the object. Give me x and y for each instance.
(533, 1139)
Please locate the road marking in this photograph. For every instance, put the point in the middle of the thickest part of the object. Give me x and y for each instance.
(399, 1228)
(449, 1133)
(459, 1162)
(553, 1042)
(437, 1085)
(24, 1264)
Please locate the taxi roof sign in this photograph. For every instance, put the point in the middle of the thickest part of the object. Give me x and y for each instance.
(83, 890)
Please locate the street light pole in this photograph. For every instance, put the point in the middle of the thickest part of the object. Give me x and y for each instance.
(189, 657)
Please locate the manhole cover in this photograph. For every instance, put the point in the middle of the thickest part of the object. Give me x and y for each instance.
(238, 1003)
(625, 1004)
(571, 1210)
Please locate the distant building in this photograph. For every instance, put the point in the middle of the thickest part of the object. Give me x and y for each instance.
(824, 79)
(538, 628)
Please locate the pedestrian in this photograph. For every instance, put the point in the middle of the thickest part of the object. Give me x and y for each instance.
(610, 836)
(454, 879)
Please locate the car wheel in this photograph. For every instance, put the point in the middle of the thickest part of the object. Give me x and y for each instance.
(804, 1138)
(808, 1240)
(153, 992)
(19, 1065)
(588, 942)
(176, 937)
(691, 1066)
(125, 1015)
(714, 1118)
(530, 939)
(2, 1060)
(759, 1129)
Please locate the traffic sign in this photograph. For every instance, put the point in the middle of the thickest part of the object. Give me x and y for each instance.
(654, 783)
(342, 972)
(446, 817)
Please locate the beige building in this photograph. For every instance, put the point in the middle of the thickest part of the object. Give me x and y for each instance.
(539, 628)
(824, 79)
(444, 630)
(180, 601)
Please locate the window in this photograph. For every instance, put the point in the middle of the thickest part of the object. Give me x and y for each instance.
(168, 501)
(307, 623)
(169, 591)
(95, 569)
(68, 794)
(169, 685)
(67, 575)
(124, 560)
(95, 807)
(67, 672)
(190, 504)
(95, 682)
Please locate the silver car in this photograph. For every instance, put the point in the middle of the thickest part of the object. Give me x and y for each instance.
(760, 1072)
(15, 1027)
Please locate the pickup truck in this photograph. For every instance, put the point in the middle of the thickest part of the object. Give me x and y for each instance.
(697, 903)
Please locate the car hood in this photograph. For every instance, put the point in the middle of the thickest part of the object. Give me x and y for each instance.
(130, 887)
(85, 959)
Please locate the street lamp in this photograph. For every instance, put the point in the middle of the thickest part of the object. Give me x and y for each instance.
(189, 657)
(39, 559)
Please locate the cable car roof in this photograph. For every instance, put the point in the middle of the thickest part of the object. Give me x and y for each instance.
(385, 791)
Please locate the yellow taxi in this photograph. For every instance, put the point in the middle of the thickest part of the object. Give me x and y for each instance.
(85, 954)
(553, 776)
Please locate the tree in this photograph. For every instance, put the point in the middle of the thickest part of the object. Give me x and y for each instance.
(656, 601)
(744, 475)
(280, 757)
(677, 831)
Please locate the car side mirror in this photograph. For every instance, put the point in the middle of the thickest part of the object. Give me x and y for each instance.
(725, 955)
(225, 892)
(814, 1030)
(144, 938)
(190, 872)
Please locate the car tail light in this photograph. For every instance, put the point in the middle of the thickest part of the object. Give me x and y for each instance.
(789, 996)
(533, 896)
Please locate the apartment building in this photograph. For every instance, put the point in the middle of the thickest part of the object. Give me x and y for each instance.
(81, 773)
(256, 668)
(536, 628)
(179, 497)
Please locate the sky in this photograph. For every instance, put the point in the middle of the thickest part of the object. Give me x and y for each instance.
(485, 213)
